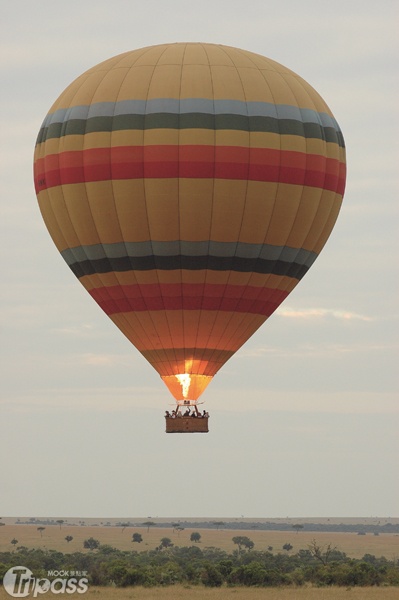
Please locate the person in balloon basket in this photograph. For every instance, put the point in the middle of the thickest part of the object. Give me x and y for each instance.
(170, 415)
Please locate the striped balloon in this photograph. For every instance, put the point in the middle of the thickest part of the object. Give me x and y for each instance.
(189, 187)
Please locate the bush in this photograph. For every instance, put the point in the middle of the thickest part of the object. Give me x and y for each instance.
(251, 574)
(211, 567)
(211, 576)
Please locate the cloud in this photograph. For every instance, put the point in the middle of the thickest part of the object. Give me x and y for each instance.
(321, 313)
(80, 399)
(320, 350)
(81, 330)
(99, 360)
(307, 401)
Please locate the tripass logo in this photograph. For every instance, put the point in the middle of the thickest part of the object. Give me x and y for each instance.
(19, 582)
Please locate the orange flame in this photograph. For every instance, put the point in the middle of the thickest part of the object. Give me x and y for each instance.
(185, 381)
(186, 386)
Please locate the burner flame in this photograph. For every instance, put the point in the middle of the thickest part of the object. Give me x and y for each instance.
(185, 380)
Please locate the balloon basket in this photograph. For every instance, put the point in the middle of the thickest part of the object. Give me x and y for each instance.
(186, 424)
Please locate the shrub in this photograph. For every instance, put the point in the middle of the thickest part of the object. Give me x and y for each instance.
(211, 576)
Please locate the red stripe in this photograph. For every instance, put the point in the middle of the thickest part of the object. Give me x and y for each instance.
(174, 296)
(220, 162)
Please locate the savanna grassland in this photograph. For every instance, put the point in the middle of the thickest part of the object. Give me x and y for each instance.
(53, 538)
(365, 567)
(179, 592)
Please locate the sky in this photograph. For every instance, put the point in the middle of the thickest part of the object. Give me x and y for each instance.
(304, 418)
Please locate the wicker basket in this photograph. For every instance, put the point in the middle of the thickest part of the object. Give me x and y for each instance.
(186, 425)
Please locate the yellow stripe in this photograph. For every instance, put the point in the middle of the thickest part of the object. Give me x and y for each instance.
(219, 330)
(171, 208)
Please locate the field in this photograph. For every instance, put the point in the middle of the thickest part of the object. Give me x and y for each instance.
(200, 593)
(53, 538)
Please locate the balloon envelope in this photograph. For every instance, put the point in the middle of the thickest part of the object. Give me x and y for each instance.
(189, 187)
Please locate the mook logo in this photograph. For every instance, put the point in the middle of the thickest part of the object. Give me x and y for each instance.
(19, 582)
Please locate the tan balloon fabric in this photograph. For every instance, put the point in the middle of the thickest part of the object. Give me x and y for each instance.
(189, 187)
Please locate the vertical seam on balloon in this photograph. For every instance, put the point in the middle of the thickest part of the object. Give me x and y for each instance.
(322, 188)
(337, 196)
(122, 315)
(306, 165)
(172, 368)
(246, 323)
(62, 185)
(47, 192)
(242, 317)
(178, 212)
(138, 54)
(62, 188)
(203, 312)
(111, 270)
(249, 325)
(226, 343)
(214, 352)
(61, 139)
(148, 220)
(284, 276)
(154, 350)
(85, 187)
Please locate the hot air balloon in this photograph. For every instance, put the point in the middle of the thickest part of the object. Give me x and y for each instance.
(189, 187)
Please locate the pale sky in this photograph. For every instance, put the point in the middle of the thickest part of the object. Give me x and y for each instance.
(305, 418)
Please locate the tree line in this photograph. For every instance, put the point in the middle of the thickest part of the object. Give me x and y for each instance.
(377, 527)
(209, 566)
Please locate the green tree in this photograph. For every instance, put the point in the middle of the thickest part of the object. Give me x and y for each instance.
(148, 524)
(166, 543)
(321, 553)
(243, 541)
(211, 576)
(297, 527)
(14, 542)
(195, 536)
(41, 529)
(69, 538)
(252, 574)
(287, 547)
(137, 537)
(218, 524)
(91, 544)
(60, 522)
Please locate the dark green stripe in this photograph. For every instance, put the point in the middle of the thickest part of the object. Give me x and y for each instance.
(195, 263)
(181, 354)
(190, 121)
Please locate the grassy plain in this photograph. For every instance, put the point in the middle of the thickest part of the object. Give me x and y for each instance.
(178, 592)
(53, 538)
